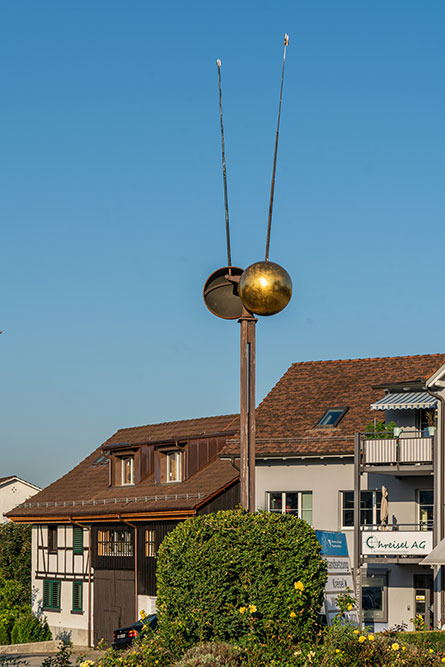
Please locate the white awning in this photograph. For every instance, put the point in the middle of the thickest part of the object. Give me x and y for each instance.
(436, 557)
(405, 400)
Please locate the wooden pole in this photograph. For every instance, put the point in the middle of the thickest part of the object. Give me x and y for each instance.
(247, 411)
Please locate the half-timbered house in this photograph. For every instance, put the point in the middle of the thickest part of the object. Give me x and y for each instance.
(96, 530)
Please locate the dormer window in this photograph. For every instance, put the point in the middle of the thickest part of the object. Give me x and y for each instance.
(174, 466)
(127, 467)
(332, 417)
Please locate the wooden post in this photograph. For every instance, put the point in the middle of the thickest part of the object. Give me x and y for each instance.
(247, 411)
(251, 419)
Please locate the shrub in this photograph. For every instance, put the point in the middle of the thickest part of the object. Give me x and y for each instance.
(345, 646)
(29, 628)
(12, 595)
(15, 554)
(212, 655)
(239, 577)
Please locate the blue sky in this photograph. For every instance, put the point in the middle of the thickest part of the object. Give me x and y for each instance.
(112, 209)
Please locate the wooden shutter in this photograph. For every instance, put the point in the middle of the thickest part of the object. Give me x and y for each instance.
(56, 595)
(77, 540)
(77, 596)
(46, 593)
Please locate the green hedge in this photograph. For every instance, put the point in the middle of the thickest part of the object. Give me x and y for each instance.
(239, 577)
(430, 638)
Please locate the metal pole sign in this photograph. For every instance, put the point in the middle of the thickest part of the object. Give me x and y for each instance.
(334, 550)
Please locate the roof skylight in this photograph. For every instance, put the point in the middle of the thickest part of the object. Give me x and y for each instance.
(332, 417)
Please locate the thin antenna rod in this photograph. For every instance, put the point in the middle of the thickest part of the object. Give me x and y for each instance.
(226, 200)
(272, 187)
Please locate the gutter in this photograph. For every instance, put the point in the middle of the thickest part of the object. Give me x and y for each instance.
(76, 523)
(441, 492)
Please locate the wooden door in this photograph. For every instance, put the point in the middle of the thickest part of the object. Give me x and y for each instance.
(114, 603)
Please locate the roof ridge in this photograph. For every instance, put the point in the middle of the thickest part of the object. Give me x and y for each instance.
(231, 417)
(406, 356)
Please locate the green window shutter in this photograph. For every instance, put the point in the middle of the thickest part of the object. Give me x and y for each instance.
(46, 593)
(77, 596)
(56, 595)
(78, 540)
(51, 594)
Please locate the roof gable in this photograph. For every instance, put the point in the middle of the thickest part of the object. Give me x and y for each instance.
(85, 489)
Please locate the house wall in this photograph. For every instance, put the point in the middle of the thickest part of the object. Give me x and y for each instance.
(13, 493)
(326, 479)
(65, 567)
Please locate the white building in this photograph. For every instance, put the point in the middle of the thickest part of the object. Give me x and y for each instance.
(13, 492)
(313, 459)
(96, 530)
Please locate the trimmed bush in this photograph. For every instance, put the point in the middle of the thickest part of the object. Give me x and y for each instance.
(239, 577)
(212, 655)
(29, 628)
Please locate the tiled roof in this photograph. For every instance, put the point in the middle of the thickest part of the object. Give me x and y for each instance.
(286, 419)
(176, 430)
(5, 479)
(84, 491)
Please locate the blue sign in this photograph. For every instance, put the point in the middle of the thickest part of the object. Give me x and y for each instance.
(332, 543)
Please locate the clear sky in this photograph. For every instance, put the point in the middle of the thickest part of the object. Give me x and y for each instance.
(112, 211)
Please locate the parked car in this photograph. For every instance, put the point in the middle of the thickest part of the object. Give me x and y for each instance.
(122, 637)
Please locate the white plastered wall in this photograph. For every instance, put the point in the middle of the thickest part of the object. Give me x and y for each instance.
(13, 493)
(66, 567)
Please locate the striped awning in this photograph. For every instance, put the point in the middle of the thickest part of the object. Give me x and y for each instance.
(405, 400)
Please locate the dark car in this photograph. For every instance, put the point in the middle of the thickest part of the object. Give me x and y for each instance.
(123, 637)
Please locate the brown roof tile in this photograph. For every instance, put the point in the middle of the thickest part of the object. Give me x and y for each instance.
(286, 419)
(84, 491)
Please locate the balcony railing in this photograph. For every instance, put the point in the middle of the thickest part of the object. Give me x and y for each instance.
(409, 448)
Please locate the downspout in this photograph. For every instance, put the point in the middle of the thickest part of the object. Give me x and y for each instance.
(132, 525)
(76, 523)
(440, 482)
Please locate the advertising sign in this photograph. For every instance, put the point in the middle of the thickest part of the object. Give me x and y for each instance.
(397, 543)
(334, 550)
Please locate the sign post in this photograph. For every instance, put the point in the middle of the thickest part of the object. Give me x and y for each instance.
(334, 550)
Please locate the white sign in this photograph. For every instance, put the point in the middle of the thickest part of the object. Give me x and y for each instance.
(339, 583)
(397, 543)
(337, 565)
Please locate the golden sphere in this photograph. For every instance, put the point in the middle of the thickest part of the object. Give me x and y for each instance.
(265, 288)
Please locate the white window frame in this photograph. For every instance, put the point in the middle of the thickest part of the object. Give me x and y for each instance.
(178, 456)
(124, 459)
(374, 509)
(283, 502)
(424, 526)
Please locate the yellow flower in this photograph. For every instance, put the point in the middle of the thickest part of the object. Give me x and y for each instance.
(371, 638)
(337, 650)
(362, 639)
(395, 646)
(252, 608)
(431, 650)
(299, 586)
(356, 632)
(443, 660)
(142, 614)
(349, 607)
(242, 610)
(292, 614)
